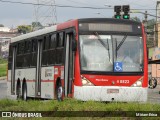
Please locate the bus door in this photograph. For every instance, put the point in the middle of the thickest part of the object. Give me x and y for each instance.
(38, 70)
(69, 63)
(14, 50)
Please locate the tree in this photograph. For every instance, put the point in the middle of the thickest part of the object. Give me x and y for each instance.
(150, 24)
(24, 29)
(136, 19)
(1, 25)
(36, 26)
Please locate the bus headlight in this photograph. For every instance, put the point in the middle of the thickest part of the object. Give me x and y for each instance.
(86, 82)
(138, 83)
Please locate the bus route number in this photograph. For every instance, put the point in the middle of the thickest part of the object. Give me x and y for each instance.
(123, 81)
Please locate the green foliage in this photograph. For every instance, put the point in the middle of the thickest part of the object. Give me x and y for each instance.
(36, 26)
(2, 61)
(24, 29)
(1, 25)
(75, 105)
(136, 19)
(3, 69)
(55, 108)
(151, 23)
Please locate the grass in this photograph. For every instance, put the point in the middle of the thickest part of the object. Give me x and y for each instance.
(151, 50)
(3, 61)
(3, 67)
(72, 107)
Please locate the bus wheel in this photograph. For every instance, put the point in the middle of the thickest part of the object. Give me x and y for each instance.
(24, 92)
(152, 83)
(18, 92)
(59, 92)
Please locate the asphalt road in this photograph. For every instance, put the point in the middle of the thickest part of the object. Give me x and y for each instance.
(3, 89)
(153, 94)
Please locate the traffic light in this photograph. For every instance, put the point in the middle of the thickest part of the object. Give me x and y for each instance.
(126, 10)
(117, 9)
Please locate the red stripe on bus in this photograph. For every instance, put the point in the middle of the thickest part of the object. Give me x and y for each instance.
(35, 81)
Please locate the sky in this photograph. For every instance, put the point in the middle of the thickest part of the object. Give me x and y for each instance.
(13, 15)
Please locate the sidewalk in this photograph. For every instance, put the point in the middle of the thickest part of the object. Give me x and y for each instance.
(3, 78)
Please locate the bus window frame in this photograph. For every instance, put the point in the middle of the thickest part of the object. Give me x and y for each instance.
(112, 72)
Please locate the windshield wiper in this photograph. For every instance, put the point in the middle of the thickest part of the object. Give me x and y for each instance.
(103, 44)
(120, 44)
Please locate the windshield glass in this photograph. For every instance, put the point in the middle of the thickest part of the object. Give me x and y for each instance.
(118, 53)
(128, 53)
(96, 53)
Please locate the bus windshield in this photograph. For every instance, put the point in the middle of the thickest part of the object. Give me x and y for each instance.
(111, 53)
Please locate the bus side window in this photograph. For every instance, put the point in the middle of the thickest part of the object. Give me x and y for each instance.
(10, 51)
(29, 46)
(60, 49)
(34, 45)
(26, 50)
(53, 41)
(33, 53)
(45, 51)
(52, 50)
(44, 43)
(60, 38)
(22, 47)
(19, 49)
(47, 42)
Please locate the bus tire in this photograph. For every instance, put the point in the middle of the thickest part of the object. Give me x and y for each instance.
(18, 90)
(59, 91)
(24, 92)
(152, 83)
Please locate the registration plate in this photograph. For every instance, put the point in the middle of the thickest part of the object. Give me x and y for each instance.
(112, 90)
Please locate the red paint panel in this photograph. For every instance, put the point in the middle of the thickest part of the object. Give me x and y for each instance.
(101, 80)
(35, 81)
(145, 81)
(68, 24)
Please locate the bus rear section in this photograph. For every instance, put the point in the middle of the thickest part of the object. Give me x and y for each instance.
(113, 61)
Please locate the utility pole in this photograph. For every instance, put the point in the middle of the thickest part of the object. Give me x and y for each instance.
(145, 20)
(47, 15)
(54, 13)
(157, 26)
(36, 14)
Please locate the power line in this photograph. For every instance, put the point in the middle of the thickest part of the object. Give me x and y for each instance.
(133, 3)
(144, 13)
(81, 3)
(51, 18)
(69, 6)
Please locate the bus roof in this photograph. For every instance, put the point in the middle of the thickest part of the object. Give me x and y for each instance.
(67, 23)
(34, 34)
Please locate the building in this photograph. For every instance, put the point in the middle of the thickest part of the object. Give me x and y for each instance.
(5, 37)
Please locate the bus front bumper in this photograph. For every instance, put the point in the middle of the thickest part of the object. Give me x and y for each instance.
(114, 93)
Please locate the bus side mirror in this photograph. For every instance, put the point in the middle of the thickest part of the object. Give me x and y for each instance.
(74, 45)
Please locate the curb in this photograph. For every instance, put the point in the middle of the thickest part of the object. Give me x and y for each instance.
(3, 78)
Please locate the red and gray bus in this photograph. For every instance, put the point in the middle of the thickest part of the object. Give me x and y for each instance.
(101, 59)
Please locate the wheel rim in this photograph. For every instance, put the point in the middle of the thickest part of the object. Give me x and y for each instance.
(25, 93)
(59, 92)
(18, 92)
